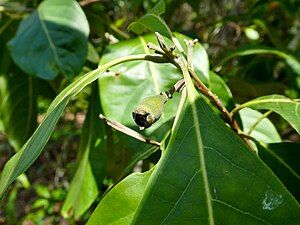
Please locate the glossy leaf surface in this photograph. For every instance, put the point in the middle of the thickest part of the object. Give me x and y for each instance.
(52, 40)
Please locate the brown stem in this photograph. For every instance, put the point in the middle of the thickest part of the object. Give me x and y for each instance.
(126, 130)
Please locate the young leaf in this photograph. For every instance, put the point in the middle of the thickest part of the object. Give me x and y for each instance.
(287, 108)
(84, 190)
(52, 40)
(264, 131)
(152, 21)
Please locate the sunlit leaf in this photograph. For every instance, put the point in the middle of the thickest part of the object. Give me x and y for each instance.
(264, 130)
(287, 108)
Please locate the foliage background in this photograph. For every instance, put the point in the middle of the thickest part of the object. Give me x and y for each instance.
(223, 27)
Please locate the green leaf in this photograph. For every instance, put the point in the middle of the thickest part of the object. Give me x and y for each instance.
(201, 175)
(208, 188)
(52, 40)
(84, 190)
(152, 21)
(126, 193)
(18, 102)
(35, 144)
(264, 131)
(287, 108)
(159, 8)
(283, 160)
(292, 61)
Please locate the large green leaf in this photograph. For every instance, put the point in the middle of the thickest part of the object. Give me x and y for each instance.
(35, 144)
(283, 159)
(250, 50)
(207, 175)
(52, 40)
(84, 190)
(264, 131)
(127, 193)
(287, 108)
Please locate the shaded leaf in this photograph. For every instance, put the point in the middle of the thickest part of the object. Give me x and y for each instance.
(287, 108)
(283, 159)
(52, 40)
(264, 131)
(250, 50)
(18, 102)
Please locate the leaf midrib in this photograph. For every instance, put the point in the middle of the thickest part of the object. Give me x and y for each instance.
(192, 97)
(49, 39)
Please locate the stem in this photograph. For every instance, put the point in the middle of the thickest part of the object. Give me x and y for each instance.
(126, 130)
(176, 88)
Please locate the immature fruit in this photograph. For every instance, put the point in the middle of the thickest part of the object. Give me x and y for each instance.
(149, 110)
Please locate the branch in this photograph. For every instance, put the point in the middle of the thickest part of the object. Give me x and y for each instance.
(126, 130)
